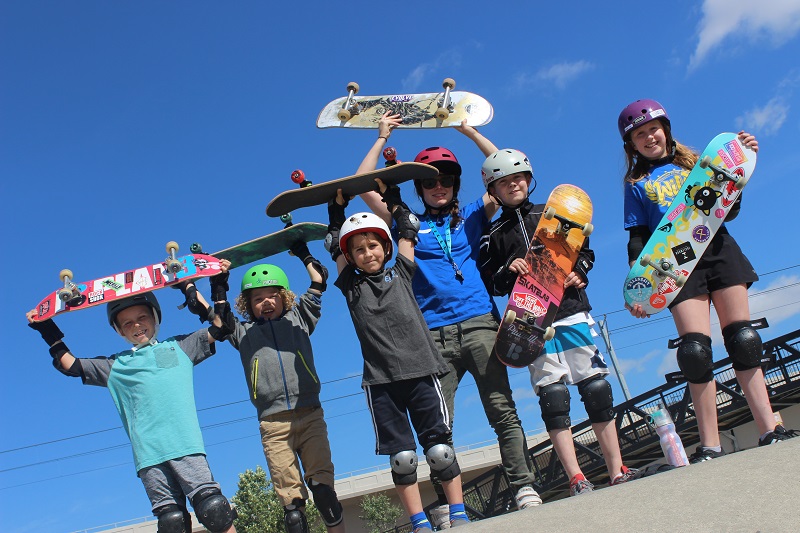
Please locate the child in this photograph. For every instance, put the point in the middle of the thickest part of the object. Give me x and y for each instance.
(278, 364)
(655, 161)
(151, 385)
(570, 358)
(401, 363)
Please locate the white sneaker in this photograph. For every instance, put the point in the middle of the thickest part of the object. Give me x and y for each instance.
(527, 497)
(440, 517)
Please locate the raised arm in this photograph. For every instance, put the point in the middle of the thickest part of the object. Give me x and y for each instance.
(407, 222)
(386, 125)
(316, 271)
(487, 148)
(63, 360)
(336, 218)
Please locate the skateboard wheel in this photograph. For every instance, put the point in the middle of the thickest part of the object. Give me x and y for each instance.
(65, 295)
(352, 86)
(449, 82)
(587, 230)
(681, 281)
(705, 161)
(389, 153)
(645, 260)
(741, 182)
(196, 248)
(343, 115)
(65, 273)
(298, 176)
(174, 266)
(549, 333)
(442, 113)
(509, 317)
(287, 218)
(172, 245)
(549, 213)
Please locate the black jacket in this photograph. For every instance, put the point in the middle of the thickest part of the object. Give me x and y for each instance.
(508, 238)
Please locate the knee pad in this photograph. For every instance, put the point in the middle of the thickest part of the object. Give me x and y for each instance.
(294, 517)
(213, 510)
(597, 398)
(404, 467)
(554, 403)
(327, 503)
(695, 358)
(174, 519)
(442, 460)
(743, 344)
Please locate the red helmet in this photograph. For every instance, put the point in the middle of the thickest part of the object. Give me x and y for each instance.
(445, 162)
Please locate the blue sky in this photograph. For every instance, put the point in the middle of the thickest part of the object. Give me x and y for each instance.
(124, 125)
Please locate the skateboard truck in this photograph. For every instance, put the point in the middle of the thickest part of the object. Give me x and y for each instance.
(70, 294)
(529, 321)
(663, 269)
(390, 155)
(721, 175)
(444, 108)
(299, 177)
(350, 107)
(565, 224)
(171, 262)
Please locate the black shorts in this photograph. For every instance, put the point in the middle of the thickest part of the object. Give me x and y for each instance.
(723, 265)
(392, 404)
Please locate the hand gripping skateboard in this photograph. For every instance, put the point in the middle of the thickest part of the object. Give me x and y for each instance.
(536, 296)
(76, 296)
(430, 110)
(309, 195)
(272, 244)
(697, 211)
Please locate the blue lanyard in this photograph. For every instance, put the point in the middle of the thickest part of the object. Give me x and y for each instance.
(445, 243)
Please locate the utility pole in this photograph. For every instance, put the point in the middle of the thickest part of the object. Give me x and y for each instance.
(613, 356)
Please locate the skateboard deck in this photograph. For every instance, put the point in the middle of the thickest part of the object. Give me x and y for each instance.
(319, 194)
(536, 296)
(268, 245)
(700, 205)
(76, 296)
(417, 110)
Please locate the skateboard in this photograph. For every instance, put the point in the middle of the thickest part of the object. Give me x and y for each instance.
(430, 110)
(76, 296)
(272, 244)
(309, 194)
(698, 209)
(551, 256)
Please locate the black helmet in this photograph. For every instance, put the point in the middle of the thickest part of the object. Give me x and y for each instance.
(147, 298)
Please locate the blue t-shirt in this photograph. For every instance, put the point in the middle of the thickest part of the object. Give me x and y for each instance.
(442, 298)
(153, 390)
(647, 200)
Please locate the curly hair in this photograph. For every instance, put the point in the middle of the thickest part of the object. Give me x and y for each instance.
(638, 167)
(242, 303)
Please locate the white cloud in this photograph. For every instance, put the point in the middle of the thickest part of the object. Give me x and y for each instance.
(767, 119)
(445, 61)
(775, 21)
(669, 363)
(639, 364)
(561, 74)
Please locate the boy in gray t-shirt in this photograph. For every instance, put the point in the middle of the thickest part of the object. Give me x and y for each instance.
(401, 362)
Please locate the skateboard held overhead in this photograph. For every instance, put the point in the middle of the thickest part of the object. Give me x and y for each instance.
(171, 271)
(696, 213)
(307, 196)
(536, 296)
(430, 110)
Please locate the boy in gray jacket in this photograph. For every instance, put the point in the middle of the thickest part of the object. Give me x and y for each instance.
(278, 363)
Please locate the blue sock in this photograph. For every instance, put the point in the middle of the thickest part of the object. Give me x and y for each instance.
(457, 512)
(420, 520)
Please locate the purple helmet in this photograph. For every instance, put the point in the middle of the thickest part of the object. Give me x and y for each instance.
(638, 113)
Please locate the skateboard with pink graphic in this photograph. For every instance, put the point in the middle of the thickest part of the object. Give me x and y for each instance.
(690, 223)
(536, 296)
(171, 271)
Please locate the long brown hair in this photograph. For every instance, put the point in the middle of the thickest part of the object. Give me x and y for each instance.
(638, 167)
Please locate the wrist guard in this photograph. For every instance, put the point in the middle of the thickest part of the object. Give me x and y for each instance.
(582, 268)
(300, 250)
(391, 197)
(223, 310)
(195, 307)
(407, 222)
(219, 287)
(332, 243)
(48, 330)
(336, 216)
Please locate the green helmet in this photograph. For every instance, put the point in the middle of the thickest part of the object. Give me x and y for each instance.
(264, 276)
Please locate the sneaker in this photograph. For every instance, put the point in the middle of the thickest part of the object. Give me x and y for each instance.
(704, 454)
(527, 497)
(458, 522)
(626, 474)
(579, 485)
(440, 517)
(776, 435)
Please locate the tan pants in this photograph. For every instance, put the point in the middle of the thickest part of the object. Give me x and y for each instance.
(291, 438)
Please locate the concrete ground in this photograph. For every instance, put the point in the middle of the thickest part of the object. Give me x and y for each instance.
(756, 490)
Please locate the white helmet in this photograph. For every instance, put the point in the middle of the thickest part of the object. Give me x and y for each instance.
(504, 163)
(364, 223)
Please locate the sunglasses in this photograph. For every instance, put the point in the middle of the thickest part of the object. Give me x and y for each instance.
(444, 181)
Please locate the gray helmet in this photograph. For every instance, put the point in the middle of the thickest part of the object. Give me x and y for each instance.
(147, 298)
(504, 163)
